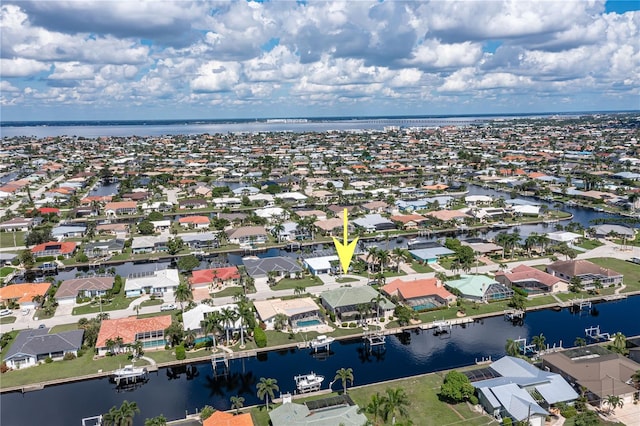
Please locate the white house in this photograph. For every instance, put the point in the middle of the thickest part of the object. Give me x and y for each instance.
(160, 282)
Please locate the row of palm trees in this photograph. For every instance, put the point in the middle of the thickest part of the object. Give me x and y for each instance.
(225, 320)
(122, 416)
(382, 407)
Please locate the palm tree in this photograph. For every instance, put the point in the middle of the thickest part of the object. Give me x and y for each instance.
(512, 348)
(183, 294)
(246, 314)
(613, 401)
(539, 341)
(128, 410)
(266, 388)
(280, 321)
(580, 341)
(344, 374)
(396, 401)
(228, 317)
(399, 255)
(620, 343)
(190, 337)
(112, 418)
(383, 259)
(376, 301)
(277, 230)
(156, 421)
(237, 402)
(211, 324)
(299, 290)
(375, 407)
(371, 258)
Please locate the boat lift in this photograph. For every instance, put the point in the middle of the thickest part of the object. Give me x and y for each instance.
(442, 327)
(580, 303)
(220, 364)
(595, 334)
(373, 338)
(524, 348)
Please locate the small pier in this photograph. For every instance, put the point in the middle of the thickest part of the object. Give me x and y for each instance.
(514, 314)
(484, 361)
(442, 327)
(92, 421)
(374, 338)
(293, 246)
(595, 333)
(580, 303)
(612, 297)
(524, 348)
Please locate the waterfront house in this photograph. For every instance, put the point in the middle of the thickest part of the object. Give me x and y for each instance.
(333, 226)
(600, 371)
(17, 224)
(409, 221)
(247, 235)
(431, 254)
(589, 273)
(340, 410)
(212, 279)
(531, 280)
(281, 266)
(192, 319)
(223, 418)
(374, 223)
(193, 204)
(24, 293)
(71, 289)
(299, 311)
(119, 208)
(426, 293)
(161, 225)
(564, 237)
(343, 302)
(33, 346)
(55, 248)
(148, 331)
(483, 248)
(197, 222)
(480, 288)
(161, 283)
(608, 230)
(66, 231)
(200, 240)
(104, 248)
(510, 388)
(321, 265)
(120, 230)
(149, 244)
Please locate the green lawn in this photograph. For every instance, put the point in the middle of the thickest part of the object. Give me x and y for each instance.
(589, 244)
(6, 270)
(8, 320)
(229, 291)
(631, 271)
(291, 283)
(151, 302)
(61, 369)
(63, 327)
(7, 239)
(346, 280)
(117, 303)
(420, 268)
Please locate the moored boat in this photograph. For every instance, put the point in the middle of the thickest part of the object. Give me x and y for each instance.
(308, 382)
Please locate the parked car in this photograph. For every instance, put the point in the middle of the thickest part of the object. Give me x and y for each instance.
(42, 326)
(168, 307)
(25, 311)
(5, 312)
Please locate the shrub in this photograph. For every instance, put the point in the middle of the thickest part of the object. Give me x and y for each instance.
(352, 325)
(332, 316)
(201, 345)
(69, 356)
(82, 258)
(48, 360)
(520, 291)
(80, 353)
(181, 353)
(568, 411)
(206, 412)
(260, 337)
(506, 421)
(473, 400)
(3, 368)
(60, 258)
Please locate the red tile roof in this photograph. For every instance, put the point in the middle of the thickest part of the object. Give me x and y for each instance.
(194, 219)
(222, 418)
(64, 247)
(127, 328)
(205, 276)
(524, 272)
(24, 292)
(416, 288)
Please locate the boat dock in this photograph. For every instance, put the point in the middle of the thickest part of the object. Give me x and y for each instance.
(594, 333)
(374, 338)
(580, 303)
(514, 314)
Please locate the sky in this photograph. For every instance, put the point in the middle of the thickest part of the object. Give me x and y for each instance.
(112, 59)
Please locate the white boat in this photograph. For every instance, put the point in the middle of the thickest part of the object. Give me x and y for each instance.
(129, 373)
(309, 382)
(321, 341)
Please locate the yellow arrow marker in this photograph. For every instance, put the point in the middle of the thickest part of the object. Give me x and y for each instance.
(345, 249)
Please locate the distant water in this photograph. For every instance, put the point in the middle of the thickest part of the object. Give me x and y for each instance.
(92, 129)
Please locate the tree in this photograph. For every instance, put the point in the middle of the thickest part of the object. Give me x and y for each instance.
(174, 333)
(456, 387)
(399, 255)
(188, 263)
(299, 290)
(160, 420)
(206, 412)
(280, 321)
(512, 348)
(128, 410)
(613, 401)
(211, 325)
(27, 259)
(237, 402)
(376, 301)
(517, 301)
(229, 317)
(344, 374)
(580, 341)
(146, 228)
(111, 418)
(619, 343)
(190, 337)
(375, 407)
(575, 284)
(539, 341)
(174, 245)
(183, 294)
(396, 401)
(266, 388)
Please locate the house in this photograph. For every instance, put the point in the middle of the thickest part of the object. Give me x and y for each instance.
(118, 208)
(422, 294)
(320, 265)
(339, 410)
(162, 283)
(24, 293)
(343, 302)
(54, 248)
(33, 346)
(589, 273)
(17, 224)
(374, 223)
(193, 204)
(333, 226)
(65, 231)
(409, 221)
(121, 230)
(282, 266)
(300, 311)
(531, 280)
(104, 248)
(564, 237)
(161, 225)
(197, 222)
(431, 254)
(600, 371)
(223, 418)
(200, 240)
(510, 389)
(608, 230)
(480, 288)
(69, 290)
(375, 207)
(149, 244)
(148, 331)
(247, 235)
(449, 215)
(318, 214)
(214, 278)
(192, 319)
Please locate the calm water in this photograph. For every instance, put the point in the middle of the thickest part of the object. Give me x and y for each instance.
(173, 392)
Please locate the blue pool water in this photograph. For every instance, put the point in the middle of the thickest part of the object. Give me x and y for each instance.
(424, 306)
(308, 323)
(203, 339)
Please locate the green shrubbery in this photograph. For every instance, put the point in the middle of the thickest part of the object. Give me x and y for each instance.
(260, 337)
(181, 353)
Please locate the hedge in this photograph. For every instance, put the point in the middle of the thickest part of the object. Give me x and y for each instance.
(260, 337)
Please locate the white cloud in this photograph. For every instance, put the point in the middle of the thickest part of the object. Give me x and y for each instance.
(21, 67)
(216, 76)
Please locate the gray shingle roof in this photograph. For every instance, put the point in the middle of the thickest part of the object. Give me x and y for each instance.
(260, 267)
(39, 341)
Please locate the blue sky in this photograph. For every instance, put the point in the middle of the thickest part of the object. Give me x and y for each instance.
(77, 60)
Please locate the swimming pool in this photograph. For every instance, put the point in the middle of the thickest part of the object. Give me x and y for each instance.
(308, 323)
(424, 306)
(203, 339)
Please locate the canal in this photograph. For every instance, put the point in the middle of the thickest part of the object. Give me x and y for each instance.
(173, 392)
